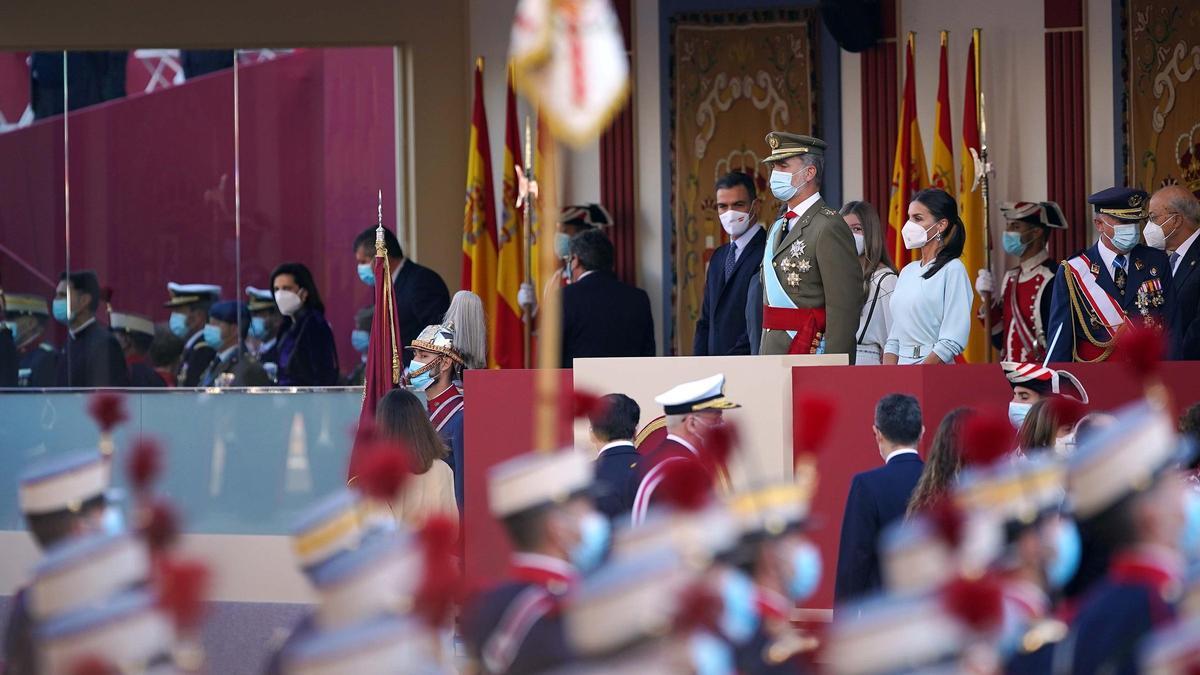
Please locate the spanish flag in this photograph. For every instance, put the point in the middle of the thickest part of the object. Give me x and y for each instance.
(942, 174)
(909, 174)
(507, 331)
(479, 215)
(970, 203)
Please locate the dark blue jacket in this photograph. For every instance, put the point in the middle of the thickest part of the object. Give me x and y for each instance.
(92, 358)
(197, 356)
(721, 328)
(307, 354)
(1144, 264)
(19, 654)
(616, 481)
(1187, 295)
(877, 498)
(1107, 632)
(544, 646)
(421, 300)
(451, 434)
(603, 316)
(39, 366)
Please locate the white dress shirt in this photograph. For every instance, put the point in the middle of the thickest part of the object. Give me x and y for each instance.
(899, 451)
(613, 444)
(800, 208)
(743, 241)
(1109, 257)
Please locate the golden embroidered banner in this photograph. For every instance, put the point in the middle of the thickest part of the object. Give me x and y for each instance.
(735, 77)
(1163, 56)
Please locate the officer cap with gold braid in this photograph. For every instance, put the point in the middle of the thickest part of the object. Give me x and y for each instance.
(784, 145)
(187, 294)
(696, 396)
(22, 303)
(259, 299)
(1121, 203)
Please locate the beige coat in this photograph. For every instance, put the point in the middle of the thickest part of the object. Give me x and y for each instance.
(830, 276)
(427, 494)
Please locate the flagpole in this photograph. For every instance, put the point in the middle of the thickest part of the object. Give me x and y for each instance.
(545, 411)
(527, 235)
(984, 188)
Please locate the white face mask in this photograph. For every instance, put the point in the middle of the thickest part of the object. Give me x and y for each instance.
(289, 303)
(1155, 236)
(914, 235)
(860, 243)
(1017, 412)
(735, 223)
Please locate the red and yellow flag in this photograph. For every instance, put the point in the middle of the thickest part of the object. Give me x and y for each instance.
(479, 215)
(942, 170)
(909, 174)
(507, 331)
(970, 203)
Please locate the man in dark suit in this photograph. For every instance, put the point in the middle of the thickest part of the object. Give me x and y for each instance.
(721, 328)
(1116, 280)
(879, 496)
(92, 356)
(421, 296)
(602, 316)
(1173, 227)
(614, 426)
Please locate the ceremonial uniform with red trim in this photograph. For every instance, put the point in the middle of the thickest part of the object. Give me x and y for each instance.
(652, 467)
(1148, 298)
(1021, 312)
(446, 415)
(1137, 596)
(516, 627)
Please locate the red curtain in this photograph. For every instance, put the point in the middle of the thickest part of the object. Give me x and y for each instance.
(1066, 123)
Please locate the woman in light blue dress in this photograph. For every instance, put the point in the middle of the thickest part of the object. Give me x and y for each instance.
(931, 305)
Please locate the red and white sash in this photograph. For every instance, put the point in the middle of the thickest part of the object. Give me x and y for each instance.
(442, 414)
(1097, 298)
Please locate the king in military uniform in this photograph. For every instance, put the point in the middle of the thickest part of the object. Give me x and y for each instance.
(1115, 283)
(812, 280)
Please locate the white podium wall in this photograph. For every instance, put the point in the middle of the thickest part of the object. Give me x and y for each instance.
(761, 384)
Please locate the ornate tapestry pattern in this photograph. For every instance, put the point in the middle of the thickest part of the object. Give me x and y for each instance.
(1163, 85)
(734, 78)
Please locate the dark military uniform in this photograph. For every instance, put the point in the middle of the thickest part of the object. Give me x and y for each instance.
(38, 366)
(93, 358)
(1093, 299)
(811, 278)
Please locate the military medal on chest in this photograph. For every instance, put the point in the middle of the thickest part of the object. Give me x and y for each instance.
(795, 264)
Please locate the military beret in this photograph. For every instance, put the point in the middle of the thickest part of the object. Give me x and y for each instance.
(1121, 203)
(229, 311)
(784, 145)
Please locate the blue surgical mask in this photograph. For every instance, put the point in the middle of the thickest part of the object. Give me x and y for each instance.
(1067, 550)
(212, 335)
(360, 339)
(594, 532)
(59, 308)
(1013, 245)
(806, 572)
(418, 382)
(739, 612)
(1125, 237)
(366, 272)
(1189, 537)
(710, 655)
(178, 324)
(562, 244)
(258, 327)
(781, 185)
(113, 520)
(1017, 412)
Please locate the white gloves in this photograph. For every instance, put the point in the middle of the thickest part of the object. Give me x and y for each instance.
(525, 296)
(983, 282)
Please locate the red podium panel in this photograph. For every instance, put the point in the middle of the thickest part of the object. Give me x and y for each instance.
(940, 389)
(498, 426)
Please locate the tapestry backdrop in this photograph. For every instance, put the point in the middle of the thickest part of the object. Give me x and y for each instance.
(734, 78)
(1163, 69)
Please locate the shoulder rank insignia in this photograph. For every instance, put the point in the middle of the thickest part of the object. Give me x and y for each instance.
(1138, 264)
(826, 211)
(1094, 269)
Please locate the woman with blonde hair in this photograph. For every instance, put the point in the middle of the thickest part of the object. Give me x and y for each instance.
(467, 317)
(400, 416)
(879, 280)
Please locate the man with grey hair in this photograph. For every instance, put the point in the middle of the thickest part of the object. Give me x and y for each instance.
(811, 278)
(1173, 226)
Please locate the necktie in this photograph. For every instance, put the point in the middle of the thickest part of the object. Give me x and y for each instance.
(1173, 258)
(731, 259)
(787, 221)
(1119, 273)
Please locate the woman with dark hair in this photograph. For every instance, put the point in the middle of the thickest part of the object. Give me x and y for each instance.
(307, 354)
(945, 460)
(879, 281)
(1041, 429)
(931, 305)
(400, 416)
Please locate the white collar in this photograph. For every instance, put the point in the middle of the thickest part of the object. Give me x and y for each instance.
(743, 241)
(1187, 243)
(79, 330)
(196, 337)
(1036, 261)
(897, 452)
(582, 276)
(396, 272)
(613, 444)
(691, 448)
(227, 353)
(544, 562)
(806, 204)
